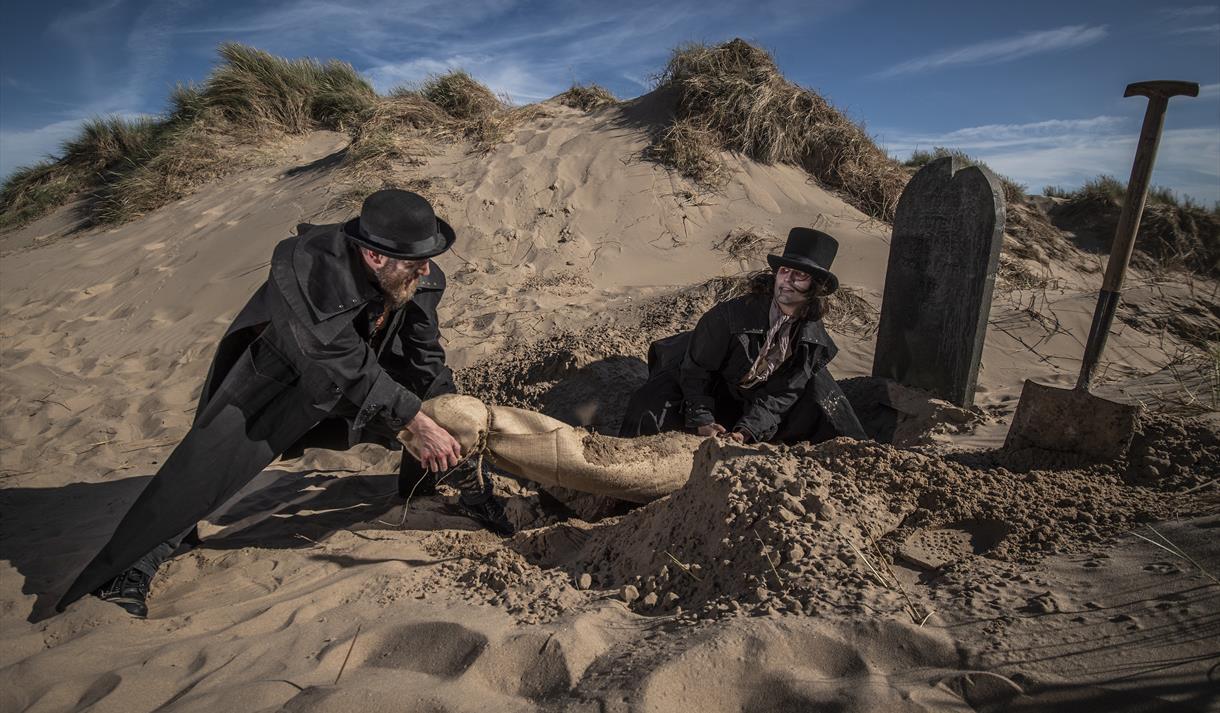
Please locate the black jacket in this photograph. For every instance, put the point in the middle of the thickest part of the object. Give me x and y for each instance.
(724, 346)
(297, 353)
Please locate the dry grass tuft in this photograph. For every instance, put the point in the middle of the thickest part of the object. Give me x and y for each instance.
(1174, 234)
(192, 155)
(461, 96)
(587, 97)
(489, 131)
(850, 313)
(255, 89)
(749, 243)
(34, 191)
(691, 150)
(130, 167)
(108, 143)
(735, 95)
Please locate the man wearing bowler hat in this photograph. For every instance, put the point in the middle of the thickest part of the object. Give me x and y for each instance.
(754, 368)
(339, 346)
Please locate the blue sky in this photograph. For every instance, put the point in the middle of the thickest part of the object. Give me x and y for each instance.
(1034, 88)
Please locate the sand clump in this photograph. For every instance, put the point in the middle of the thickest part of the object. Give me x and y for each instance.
(485, 572)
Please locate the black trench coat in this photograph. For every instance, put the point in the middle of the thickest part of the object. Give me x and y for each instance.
(694, 380)
(295, 369)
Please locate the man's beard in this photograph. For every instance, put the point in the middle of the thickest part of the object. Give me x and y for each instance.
(398, 285)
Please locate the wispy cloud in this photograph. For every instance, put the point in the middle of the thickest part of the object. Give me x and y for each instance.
(1068, 152)
(1201, 30)
(1209, 91)
(1191, 12)
(1001, 50)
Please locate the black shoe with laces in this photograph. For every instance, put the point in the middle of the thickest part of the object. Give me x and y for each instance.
(413, 480)
(129, 590)
(489, 513)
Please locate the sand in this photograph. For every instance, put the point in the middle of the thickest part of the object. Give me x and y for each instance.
(930, 573)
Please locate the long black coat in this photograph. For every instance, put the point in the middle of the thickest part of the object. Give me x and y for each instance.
(297, 355)
(694, 380)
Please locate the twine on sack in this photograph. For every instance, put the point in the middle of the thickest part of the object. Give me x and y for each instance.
(479, 449)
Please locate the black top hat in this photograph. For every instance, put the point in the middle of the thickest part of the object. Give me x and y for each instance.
(400, 224)
(810, 251)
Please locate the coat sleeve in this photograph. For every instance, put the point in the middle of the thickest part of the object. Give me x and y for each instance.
(351, 369)
(705, 356)
(777, 395)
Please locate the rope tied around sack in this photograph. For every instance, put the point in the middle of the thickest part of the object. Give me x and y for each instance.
(479, 450)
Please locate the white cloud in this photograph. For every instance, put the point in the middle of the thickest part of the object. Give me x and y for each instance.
(1191, 12)
(1209, 91)
(1202, 29)
(519, 82)
(1069, 152)
(1001, 50)
(25, 147)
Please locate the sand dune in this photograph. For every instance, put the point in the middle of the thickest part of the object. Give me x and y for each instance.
(572, 254)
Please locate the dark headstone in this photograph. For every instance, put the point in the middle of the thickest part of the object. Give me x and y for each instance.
(943, 257)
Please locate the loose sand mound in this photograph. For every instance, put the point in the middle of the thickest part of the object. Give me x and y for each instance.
(802, 529)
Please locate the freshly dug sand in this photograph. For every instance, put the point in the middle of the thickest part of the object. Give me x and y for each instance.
(802, 528)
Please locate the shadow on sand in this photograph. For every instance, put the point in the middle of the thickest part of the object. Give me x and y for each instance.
(50, 534)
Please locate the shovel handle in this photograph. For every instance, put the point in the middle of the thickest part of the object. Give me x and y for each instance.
(1158, 94)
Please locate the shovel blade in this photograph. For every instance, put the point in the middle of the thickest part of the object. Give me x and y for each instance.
(1072, 421)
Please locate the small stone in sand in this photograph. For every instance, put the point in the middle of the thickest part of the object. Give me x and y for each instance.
(629, 593)
(584, 581)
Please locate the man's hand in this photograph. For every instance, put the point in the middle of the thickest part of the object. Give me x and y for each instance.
(736, 436)
(711, 429)
(438, 451)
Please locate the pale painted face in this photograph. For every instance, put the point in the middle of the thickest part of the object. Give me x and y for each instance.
(793, 288)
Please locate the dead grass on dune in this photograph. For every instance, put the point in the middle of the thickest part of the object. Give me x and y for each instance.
(254, 88)
(128, 167)
(691, 150)
(735, 95)
(106, 147)
(748, 243)
(193, 154)
(1174, 234)
(587, 97)
(460, 95)
(32, 191)
(489, 131)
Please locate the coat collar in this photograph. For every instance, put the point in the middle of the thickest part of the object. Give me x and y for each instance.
(757, 312)
(331, 276)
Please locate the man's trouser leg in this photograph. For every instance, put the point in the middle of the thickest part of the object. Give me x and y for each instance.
(151, 562)
(809, 419)
(654, 407)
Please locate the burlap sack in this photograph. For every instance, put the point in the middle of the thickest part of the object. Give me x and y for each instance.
(550, 452)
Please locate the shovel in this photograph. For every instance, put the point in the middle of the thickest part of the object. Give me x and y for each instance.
(1074, 420)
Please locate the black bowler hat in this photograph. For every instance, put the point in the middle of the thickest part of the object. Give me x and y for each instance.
(810, 251)
(400, 224)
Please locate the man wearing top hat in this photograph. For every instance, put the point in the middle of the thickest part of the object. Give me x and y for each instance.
(754, 368)
(339, 346)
